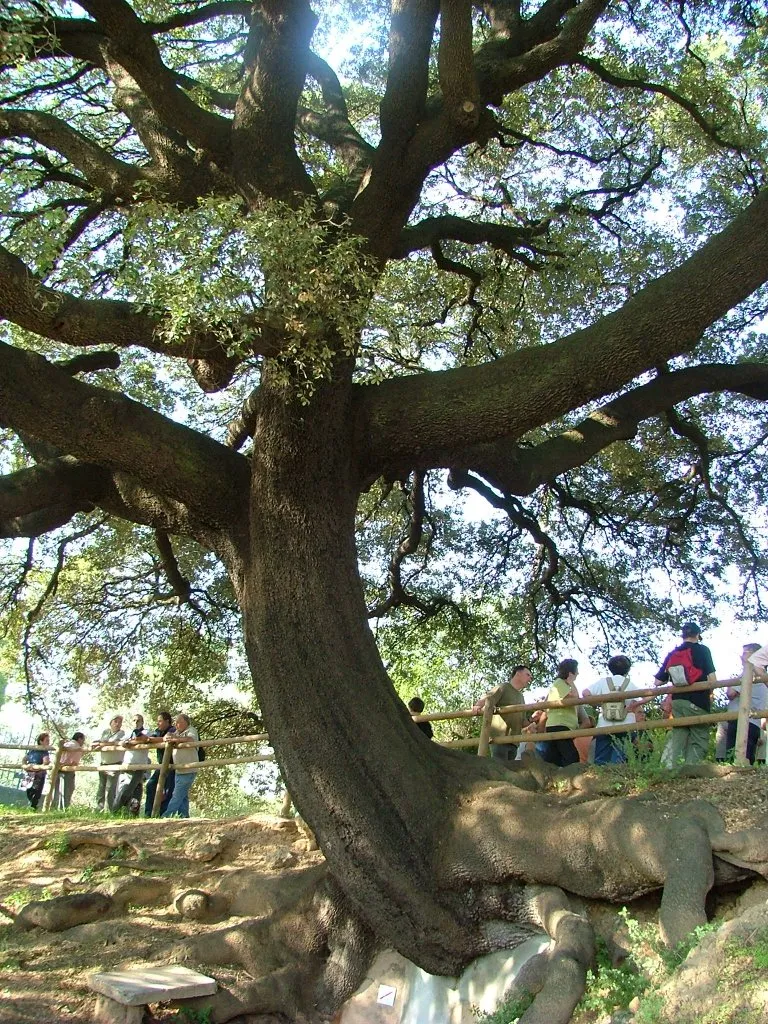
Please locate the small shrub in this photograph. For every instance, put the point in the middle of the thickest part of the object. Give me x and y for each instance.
(650, 1010)
(611, 987)
(189, 1015)
(510, 1011)
(756, 949)
(651, 956)
(644, 761)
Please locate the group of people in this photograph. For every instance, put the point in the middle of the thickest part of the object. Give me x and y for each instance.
(689, 662)
(118, 789)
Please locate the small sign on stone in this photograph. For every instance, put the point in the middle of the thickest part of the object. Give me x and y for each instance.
(386, 996)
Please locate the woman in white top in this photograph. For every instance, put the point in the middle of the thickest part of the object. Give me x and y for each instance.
(131, 783)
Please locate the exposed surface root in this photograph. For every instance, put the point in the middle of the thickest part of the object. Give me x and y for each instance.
(308, 960)
(75, 840)
(556, 978)
(64, 912)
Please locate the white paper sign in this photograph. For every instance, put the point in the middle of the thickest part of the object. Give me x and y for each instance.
(386, 996)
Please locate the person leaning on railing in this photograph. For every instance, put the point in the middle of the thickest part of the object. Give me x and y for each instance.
(65, 784)
(35, 776)
(164, 723)
(565, 717)
(182, 756)
(105, 794)
(611, 749)
(510, 723)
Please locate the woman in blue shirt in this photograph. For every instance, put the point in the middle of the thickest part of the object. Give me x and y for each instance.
(36, 779)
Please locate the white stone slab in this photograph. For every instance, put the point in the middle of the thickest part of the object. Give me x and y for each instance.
(139, 985)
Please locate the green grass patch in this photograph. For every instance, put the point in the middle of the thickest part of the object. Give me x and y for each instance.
(21, 897)
(59, 844)
(755, 951)
(611, 987)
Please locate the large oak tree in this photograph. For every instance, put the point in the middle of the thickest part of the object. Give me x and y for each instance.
(500, 240)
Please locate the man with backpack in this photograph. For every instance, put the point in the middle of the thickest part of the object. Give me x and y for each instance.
(689, 663)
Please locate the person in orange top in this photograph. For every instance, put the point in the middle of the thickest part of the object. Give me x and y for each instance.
(65, 784)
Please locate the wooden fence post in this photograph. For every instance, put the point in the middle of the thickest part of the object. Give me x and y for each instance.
(164, 766)
(485, 730)
(54, 777)
(742, 722)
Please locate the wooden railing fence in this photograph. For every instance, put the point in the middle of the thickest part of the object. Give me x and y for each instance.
(482, 742)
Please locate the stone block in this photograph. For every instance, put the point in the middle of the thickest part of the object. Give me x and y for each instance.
(108, 1011)
(137, 986)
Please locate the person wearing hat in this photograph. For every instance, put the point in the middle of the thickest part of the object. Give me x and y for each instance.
(690, 662)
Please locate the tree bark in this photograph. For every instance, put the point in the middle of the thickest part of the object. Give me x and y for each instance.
(361, 774)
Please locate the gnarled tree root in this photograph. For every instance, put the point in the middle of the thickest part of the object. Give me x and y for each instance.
(64, 912)
(305, 963)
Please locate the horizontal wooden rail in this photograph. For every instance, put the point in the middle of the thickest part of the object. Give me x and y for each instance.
(544, 705)
(213, 762)
(167, 745)
(608, 698)
(159, 742)
(609, 730)
(25, 746)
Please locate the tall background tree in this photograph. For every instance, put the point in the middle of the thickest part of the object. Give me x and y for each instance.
(268, 270)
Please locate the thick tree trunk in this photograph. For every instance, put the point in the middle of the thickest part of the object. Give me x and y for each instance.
(366, 780)
(434, 851)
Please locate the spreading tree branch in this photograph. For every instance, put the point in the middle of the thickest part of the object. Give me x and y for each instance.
(399, 595)
(100, 168)
(181, 588)
(621, 82)
(104, 427)
(523, 520)
(199, 15)
(85, 323)
(411, 30)
(507, 238)
(521, 469)
(333, 126)
(455, 63)
(131, 45)
(415, 421)
(277, 60)
(51, 492)
(90, 362)
(418, 135)
(244, 424)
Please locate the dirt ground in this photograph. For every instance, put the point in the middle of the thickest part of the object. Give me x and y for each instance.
(254, 864)
(43, 975)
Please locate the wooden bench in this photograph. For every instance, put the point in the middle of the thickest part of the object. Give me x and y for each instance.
(123, 995)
